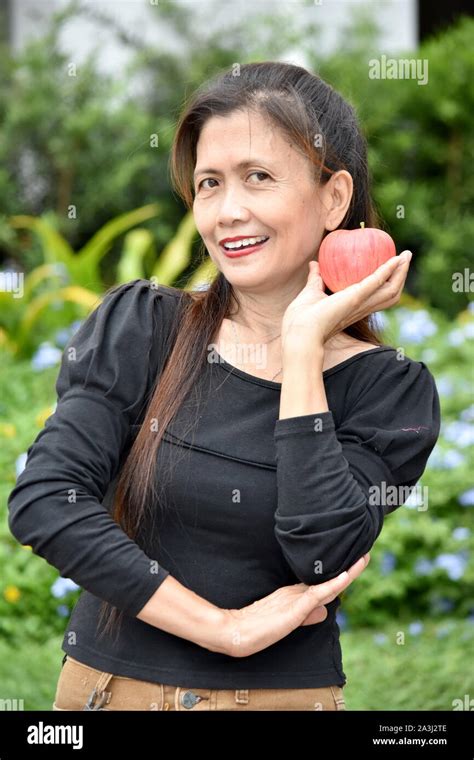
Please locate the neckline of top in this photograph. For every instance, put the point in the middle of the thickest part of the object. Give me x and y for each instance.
(277, 386)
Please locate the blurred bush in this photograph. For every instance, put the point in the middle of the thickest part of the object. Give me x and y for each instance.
(422, 560)
(420, 138)
(84, 149)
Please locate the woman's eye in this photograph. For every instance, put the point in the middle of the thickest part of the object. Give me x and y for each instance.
(210, 179)
(261, 173)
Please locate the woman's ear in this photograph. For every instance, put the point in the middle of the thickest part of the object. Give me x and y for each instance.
(337, 194)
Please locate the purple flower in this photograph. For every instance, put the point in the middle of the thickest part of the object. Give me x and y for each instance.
(341, 620)
(445, 386)
(46, 356)
(444, 630)
(380, 638)
(459, 432)
(415, 628)
(387, 563)
(74, 326)
(416, 325)
(453, 459)
(459, 534)
(66, 333)
(63, 610)
(448, 460)
(423, 566)
(456, 337)
(454, 564)
(381, 320)
(467, 415)
(62, 336)
(20, 463)
(466, 499)
(62, 586)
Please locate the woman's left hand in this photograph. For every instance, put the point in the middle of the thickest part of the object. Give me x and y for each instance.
(313, 317)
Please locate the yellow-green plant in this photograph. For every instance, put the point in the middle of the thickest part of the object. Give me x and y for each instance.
(83, 265)
(67, 280)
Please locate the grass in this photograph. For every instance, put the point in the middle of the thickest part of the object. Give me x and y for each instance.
(427, 672)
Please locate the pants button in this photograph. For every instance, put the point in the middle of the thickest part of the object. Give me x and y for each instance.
(189, 699)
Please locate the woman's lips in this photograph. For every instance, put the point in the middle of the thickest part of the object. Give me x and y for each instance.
(244, 251)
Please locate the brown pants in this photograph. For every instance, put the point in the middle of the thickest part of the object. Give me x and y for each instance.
(81, 687)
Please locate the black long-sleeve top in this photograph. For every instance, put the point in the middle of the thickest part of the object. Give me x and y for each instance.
(253, 503)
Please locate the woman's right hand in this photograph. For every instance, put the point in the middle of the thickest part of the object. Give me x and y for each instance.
(270, 619)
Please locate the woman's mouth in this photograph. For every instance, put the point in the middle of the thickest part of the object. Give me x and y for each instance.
(243, 250)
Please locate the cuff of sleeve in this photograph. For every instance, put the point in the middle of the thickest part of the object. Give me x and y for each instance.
(307, 423)
(146, 591)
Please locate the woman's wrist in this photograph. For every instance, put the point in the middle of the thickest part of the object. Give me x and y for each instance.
(302, 390)
(178, 610)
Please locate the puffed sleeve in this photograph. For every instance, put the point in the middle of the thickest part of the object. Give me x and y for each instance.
(336, 484)
(55, 507)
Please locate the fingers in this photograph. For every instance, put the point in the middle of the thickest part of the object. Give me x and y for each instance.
(398, 276)
(318, 615)
(314, 276)
(392, 273)
(382, 288)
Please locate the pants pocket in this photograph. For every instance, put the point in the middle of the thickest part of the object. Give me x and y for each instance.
(81, 687)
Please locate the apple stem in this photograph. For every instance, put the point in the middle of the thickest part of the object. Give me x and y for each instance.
(362, 224)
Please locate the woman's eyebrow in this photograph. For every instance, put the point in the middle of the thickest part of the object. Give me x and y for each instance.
(240, 165)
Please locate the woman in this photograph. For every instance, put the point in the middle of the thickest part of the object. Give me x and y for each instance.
(205, 498)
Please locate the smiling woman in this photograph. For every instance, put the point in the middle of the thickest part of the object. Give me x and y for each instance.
(220, 577)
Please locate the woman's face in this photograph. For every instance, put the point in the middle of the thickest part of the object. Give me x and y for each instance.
(274, 195)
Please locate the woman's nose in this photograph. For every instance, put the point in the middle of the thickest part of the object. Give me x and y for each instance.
(230, 208)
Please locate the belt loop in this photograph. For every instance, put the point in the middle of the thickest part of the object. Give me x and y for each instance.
(242, 696)
(99, 693)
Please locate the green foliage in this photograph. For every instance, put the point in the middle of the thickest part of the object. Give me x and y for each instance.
(91, 145)
(83, 267)
(45, 304)
(100, 147)
(67, 278)
(420, 137)
(419, 562)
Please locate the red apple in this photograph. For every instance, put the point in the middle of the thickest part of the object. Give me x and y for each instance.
(347, 256)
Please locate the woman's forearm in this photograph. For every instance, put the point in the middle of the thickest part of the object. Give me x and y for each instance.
(178, 610)
(302, 390)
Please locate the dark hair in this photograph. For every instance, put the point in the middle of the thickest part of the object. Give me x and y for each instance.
(301, 105)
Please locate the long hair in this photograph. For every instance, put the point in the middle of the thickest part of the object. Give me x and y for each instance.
(301, 105)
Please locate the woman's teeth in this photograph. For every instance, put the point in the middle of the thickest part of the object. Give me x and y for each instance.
(244, 243)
